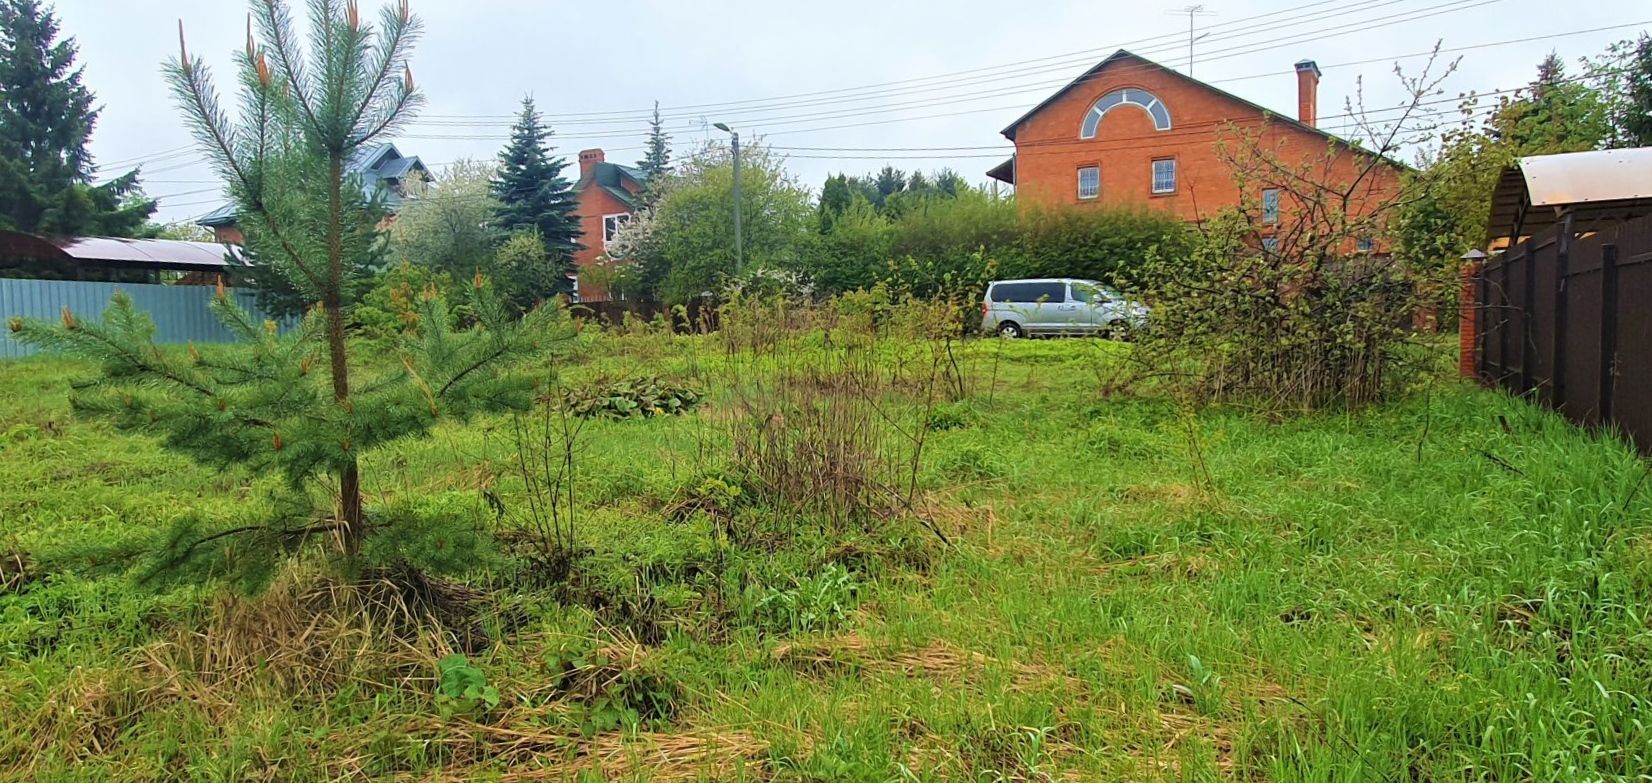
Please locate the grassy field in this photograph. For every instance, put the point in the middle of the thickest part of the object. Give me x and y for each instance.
(1450, 587)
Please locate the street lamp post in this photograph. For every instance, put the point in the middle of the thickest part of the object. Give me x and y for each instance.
(739, 249)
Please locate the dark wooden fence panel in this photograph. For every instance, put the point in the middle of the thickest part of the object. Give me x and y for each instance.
(1581, 347)
(1537, 343)
(1568, 321)
(1632, 398)
(1494, 315)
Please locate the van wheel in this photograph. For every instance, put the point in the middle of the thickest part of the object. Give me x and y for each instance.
(1010, 329)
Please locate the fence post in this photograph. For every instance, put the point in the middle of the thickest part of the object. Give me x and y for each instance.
(1557, 335)
(1608, 330)
(1480, 321)
(1468, 315)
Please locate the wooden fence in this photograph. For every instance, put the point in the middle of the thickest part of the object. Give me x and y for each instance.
(1569, 322)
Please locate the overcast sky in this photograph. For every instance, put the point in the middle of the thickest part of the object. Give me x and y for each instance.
(814, 75)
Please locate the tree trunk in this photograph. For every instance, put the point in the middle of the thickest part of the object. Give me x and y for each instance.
(349, 479)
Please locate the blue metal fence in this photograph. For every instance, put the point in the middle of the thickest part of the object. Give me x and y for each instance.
(180, 311)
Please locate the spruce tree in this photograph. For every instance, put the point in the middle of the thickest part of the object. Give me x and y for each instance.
(295, 403)
(534, 196)
(1634, 115)
(656, 160)
(835, 198)
(46, 121)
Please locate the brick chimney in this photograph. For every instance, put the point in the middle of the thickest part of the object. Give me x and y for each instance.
(1307, 92)
(588, 159)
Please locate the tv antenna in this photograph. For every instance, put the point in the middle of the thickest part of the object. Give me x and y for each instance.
(1192, 12)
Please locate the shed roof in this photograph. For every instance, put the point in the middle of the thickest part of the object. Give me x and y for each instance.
(1597, 186)
(1004, 172)
(154, 253)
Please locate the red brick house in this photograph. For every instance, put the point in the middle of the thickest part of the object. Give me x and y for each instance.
(1131, 131)
(609, 194)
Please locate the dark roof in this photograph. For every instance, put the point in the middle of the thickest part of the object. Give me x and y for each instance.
(155, 253)
(1004, 172)
(1009, 132)
(612, 177)
(623, 195)
(222, 216)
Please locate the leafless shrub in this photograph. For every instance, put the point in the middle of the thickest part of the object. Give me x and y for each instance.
(1294, 300)
(829, 407)
(545, 442)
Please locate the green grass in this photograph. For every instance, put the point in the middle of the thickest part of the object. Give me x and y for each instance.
(1450, 587)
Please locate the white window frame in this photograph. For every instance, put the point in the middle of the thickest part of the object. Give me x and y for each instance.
(1273, 219)
(608, 234)
(1153, 185)
(1081, 172)
(1128, 96)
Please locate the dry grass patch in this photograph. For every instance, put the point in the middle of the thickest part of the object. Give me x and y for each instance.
(936, 660)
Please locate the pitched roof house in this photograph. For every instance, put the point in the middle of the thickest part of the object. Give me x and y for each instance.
(1130, 131)
(609, 194)
(385, 173)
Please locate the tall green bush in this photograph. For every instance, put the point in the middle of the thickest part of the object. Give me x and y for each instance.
(1109, 244)
(971, 238)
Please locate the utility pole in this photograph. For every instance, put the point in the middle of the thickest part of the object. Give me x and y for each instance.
(739, 249)
(1192, 11)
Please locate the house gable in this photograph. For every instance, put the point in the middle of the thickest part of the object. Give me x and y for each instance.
(1130, 131)
(1124, 69)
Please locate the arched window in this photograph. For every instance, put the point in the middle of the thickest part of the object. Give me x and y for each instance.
(1131, 96)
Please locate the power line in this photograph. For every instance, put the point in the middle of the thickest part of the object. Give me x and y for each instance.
(1454, 5)
(814, 117)
(919, 79)
(828, 116)
(1003, 90)
(995, 73)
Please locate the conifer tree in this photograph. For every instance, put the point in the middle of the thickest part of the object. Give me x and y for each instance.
(46, 121)
(294, 403)
(1632, 113)
(656, 160)
(534, 196)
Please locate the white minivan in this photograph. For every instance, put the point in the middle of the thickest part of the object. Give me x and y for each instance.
(1060, 305)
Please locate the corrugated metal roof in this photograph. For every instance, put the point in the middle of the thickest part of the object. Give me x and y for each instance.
(147, 252)
(1597, 186)
(1585, 177)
